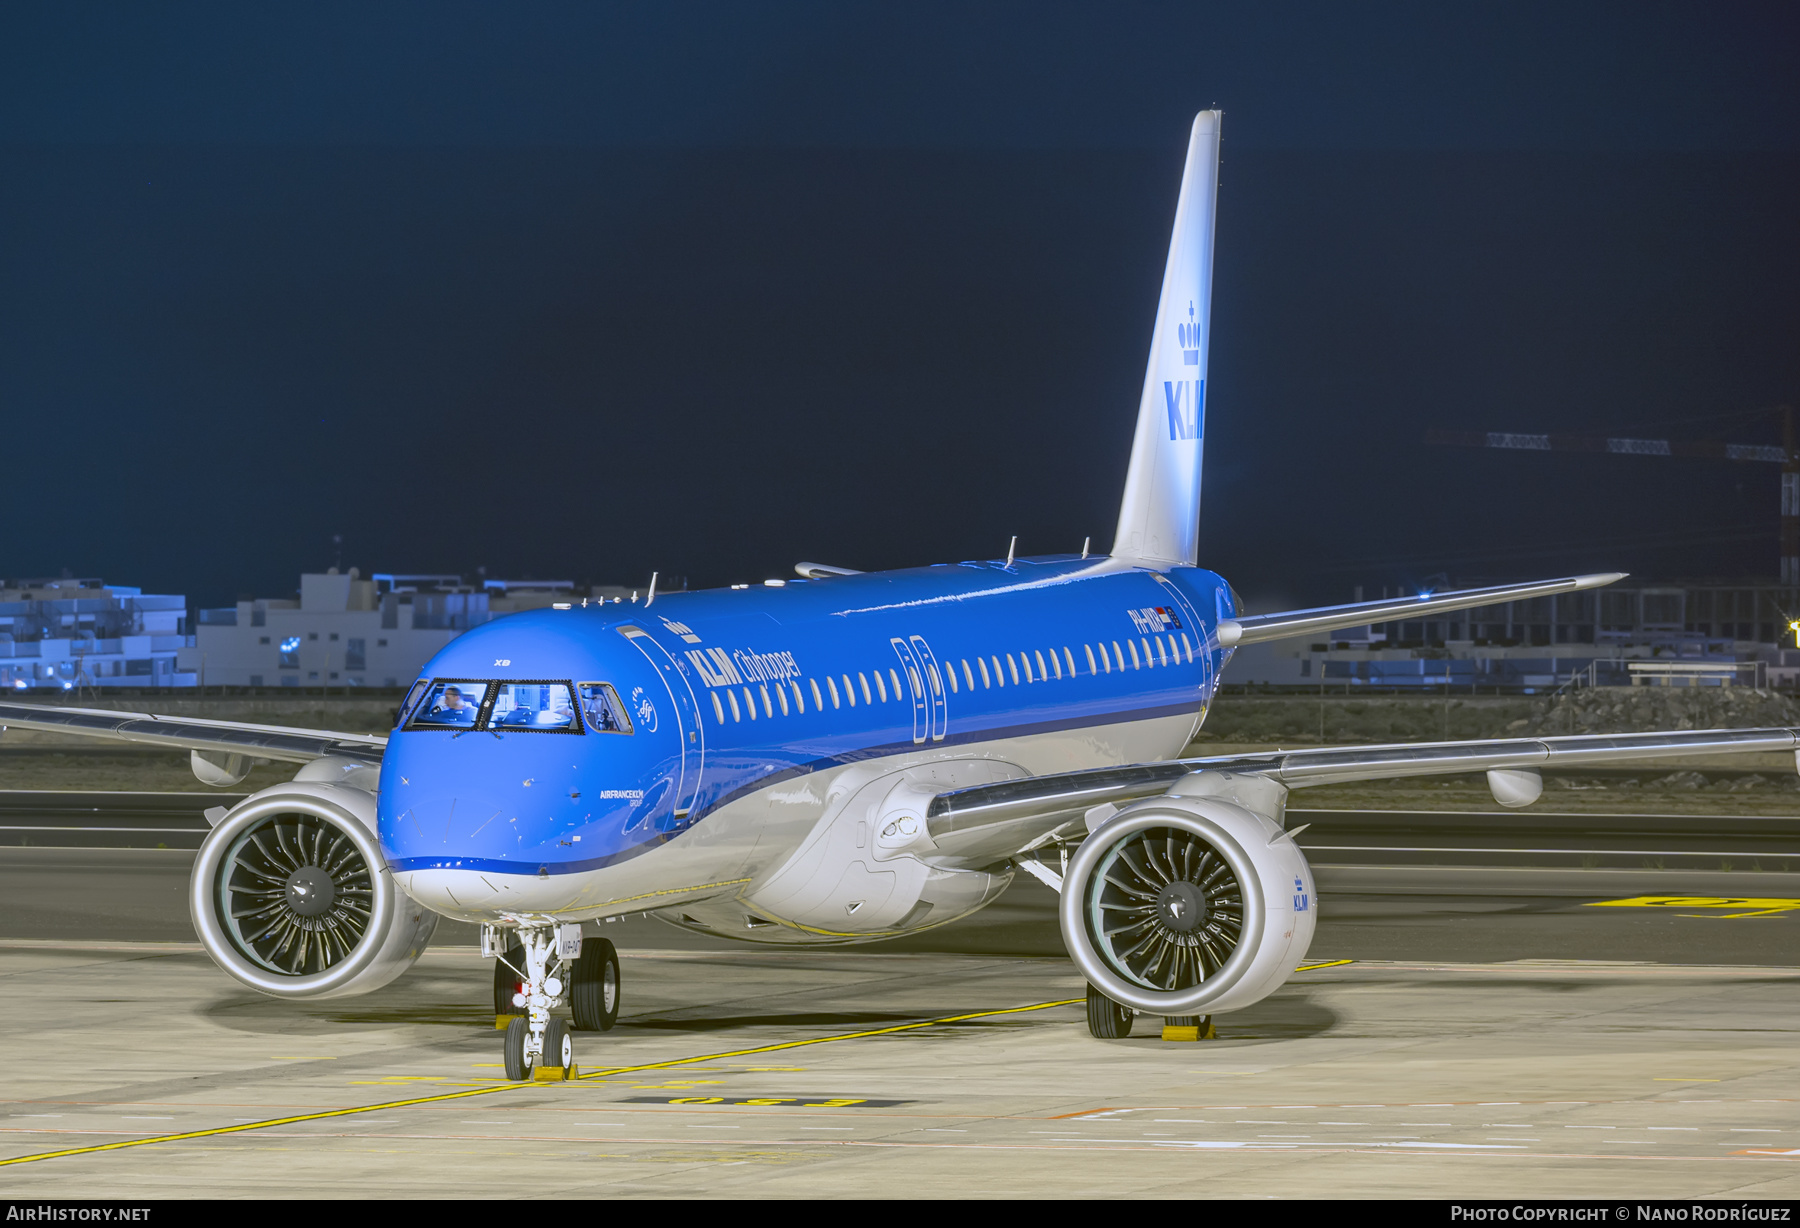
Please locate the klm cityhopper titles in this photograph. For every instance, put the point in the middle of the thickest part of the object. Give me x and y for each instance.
(831, 759)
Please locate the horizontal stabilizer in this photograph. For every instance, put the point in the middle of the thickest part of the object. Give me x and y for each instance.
(1258, 627)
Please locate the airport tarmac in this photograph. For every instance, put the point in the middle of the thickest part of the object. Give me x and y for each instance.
(1464, 1031)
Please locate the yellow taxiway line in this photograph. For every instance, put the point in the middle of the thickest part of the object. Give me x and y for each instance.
(508, 1087)
(325, 1114)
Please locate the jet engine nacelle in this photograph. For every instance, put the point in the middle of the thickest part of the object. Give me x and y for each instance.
(290, 893)
(1189, 905)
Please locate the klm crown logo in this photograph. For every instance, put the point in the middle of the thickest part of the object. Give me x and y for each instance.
(1183, 398)
(1189, 336)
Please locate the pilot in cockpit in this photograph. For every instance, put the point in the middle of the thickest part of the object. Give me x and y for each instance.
(454, 709)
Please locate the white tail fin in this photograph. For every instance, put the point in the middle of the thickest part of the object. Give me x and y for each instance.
(1159, 520)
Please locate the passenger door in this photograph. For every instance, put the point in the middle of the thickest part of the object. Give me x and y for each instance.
(689, 729)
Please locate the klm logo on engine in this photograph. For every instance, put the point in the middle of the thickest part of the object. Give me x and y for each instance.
(1184, 398)
(1300, 896)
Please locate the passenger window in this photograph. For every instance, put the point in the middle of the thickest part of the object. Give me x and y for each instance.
(868, 695)
(1014, 667)
(937, 684)
(538, 707)
(1025, 657)
(968, 677)
(1135, 664)
(831, 685)
(1092, 668)
(985, 684)
(1189, 645)
(818, 699)
(896, 680)
(450, 705)
(412, 698)
(950, 673)
(799, 699)
(1149, 657)
(718, 708)
(1069, 657)
(1162, 649)
(750, 702)
(780, 694)
(605, 714)
(850, 690)
(731, 697)
(1042, 672)
(881, 686)
(999, 674)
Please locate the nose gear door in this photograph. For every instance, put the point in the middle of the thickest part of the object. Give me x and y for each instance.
(688, 727)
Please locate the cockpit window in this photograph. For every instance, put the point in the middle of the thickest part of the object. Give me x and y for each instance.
(450, 705)
(600, 704)
(542, 707)
(413, 696)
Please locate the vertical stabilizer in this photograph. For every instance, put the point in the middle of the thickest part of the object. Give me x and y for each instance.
(1159, 520)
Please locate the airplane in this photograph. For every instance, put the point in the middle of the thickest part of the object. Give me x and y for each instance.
(833, 758)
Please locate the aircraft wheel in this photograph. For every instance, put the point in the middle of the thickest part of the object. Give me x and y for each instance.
(506, 981)
(594, 987)
(1106, 1019)
(559, 1045)
(518, 1062)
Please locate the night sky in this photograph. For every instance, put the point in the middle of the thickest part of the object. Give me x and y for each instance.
(586, 291)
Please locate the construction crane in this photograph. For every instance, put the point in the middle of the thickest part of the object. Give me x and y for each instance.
(1784, 455)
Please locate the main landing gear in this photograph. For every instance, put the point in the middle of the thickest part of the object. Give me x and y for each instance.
(544, 968)
(1109, 1020)
(1106, 1019)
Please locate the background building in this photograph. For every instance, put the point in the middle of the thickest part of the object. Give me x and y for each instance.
(1704, 632)
(347, 631)
(69, 633)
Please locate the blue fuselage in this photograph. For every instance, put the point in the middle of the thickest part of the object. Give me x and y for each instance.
(733, 691)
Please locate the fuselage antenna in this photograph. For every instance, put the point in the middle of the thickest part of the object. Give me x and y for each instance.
(1010, 547)
(1085, 543)
(651, 595)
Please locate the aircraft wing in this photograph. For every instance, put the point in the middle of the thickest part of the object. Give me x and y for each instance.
(193, 734)
(1253, 628)
(1004, 819)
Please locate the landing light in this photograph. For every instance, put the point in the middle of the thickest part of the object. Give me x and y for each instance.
(1795, 628)
(774, 583)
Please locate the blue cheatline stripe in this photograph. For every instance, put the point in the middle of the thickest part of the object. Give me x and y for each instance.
(540, 868)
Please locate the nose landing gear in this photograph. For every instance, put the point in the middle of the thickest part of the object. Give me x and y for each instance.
(533, 962)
